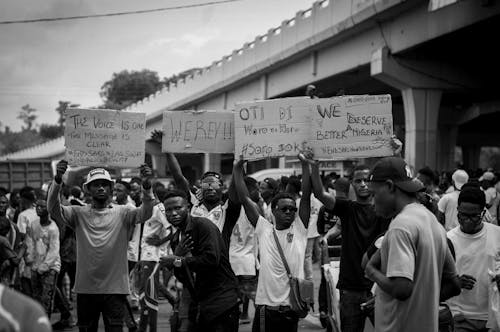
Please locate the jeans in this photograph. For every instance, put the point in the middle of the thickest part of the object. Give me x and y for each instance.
(43, 286)
(352, 318)
(274, 320)
(90, 307)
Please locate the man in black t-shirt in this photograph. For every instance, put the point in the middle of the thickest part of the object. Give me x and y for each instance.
(360, 227)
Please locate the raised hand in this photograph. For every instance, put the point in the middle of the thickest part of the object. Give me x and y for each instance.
(61, 168)
(307, 156)
(397, 145)
(156, 135)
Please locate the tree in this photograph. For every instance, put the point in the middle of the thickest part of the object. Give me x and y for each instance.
(126, 88)
(61, 109)
(48, 131)
(28, 116)
(176, 77)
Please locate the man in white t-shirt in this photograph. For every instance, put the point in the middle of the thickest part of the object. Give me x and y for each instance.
(475, 243)
(447, 205)
(273, 311)
(24, 222)
(414, 257)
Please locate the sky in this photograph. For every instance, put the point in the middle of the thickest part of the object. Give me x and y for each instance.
(42, 63)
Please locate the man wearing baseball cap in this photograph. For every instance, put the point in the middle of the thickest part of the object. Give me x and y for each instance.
(447, 205)
(102, 232)
(413, 257)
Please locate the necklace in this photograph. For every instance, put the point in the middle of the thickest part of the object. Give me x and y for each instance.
(289, 235)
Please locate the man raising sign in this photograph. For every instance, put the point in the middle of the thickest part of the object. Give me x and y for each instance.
(102, 233)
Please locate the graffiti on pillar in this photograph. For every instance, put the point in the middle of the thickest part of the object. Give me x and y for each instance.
(198, 131)
(105, 138)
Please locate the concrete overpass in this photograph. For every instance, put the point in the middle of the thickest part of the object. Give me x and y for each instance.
(435, 63)
(435, 57)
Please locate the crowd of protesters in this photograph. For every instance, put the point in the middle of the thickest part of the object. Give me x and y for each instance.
(419, 252)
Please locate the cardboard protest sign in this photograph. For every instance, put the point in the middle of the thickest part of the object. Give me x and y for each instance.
(351, 127)
(198, 131)
(105, 138)
(271, 128)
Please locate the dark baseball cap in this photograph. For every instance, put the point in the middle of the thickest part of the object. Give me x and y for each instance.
(396, 169)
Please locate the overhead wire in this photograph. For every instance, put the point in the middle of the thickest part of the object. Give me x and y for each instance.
(135, 12)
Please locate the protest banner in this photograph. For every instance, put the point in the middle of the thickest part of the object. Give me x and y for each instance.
(351, 127)
(271, 128)
(198, 131)
(105, 138)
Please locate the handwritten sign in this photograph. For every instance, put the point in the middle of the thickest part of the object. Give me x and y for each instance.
(105, 138)
(198, 131)
(271, 128)
(351, 126)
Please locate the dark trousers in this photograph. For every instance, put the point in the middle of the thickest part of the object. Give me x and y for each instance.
(43, 286)
(352, 318)
(323, 294)
(148, 316)
(274, 320)
(90, 307)
(227, 322)
(70, 269)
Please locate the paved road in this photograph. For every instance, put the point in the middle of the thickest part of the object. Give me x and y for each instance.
(310, 323)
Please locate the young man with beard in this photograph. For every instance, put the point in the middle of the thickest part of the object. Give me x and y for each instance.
(199, 248)
(102, 232)
(273, 311)
(476, 244)
(414, 268)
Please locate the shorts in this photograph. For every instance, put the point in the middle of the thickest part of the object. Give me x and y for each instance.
(247, 286)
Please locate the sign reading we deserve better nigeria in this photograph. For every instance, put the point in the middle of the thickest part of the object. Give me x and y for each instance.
(334, 128)
(105, 138)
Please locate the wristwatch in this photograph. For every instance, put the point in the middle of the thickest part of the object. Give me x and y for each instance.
(178, 262)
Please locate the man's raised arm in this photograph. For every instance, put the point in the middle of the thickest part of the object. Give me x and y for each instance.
(251, 208)
(173, 165)
(145, 211)
(62, 215)
(317, 186)
(305, 201)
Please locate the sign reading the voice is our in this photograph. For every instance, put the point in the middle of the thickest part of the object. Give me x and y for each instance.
(105, 138)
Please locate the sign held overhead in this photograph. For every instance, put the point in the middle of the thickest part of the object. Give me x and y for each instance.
(198, 131)
(105, 138)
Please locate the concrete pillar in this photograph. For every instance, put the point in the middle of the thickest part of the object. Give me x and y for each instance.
(470, 155)
(214, 162)
(421, 115)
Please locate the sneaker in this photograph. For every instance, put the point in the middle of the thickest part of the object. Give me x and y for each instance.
(63, 324)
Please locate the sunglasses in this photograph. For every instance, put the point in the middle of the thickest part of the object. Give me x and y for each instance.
(286, 209)
(212, 185)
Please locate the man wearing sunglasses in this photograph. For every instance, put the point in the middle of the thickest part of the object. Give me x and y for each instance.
(476, 244)
(273, 312)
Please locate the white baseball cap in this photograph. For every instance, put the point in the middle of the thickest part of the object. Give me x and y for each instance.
(98, 174)
(460, 177)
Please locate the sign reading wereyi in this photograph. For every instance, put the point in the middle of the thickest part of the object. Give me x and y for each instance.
(271, 128)
(105, 138)
(198, 131)
(351, 127)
